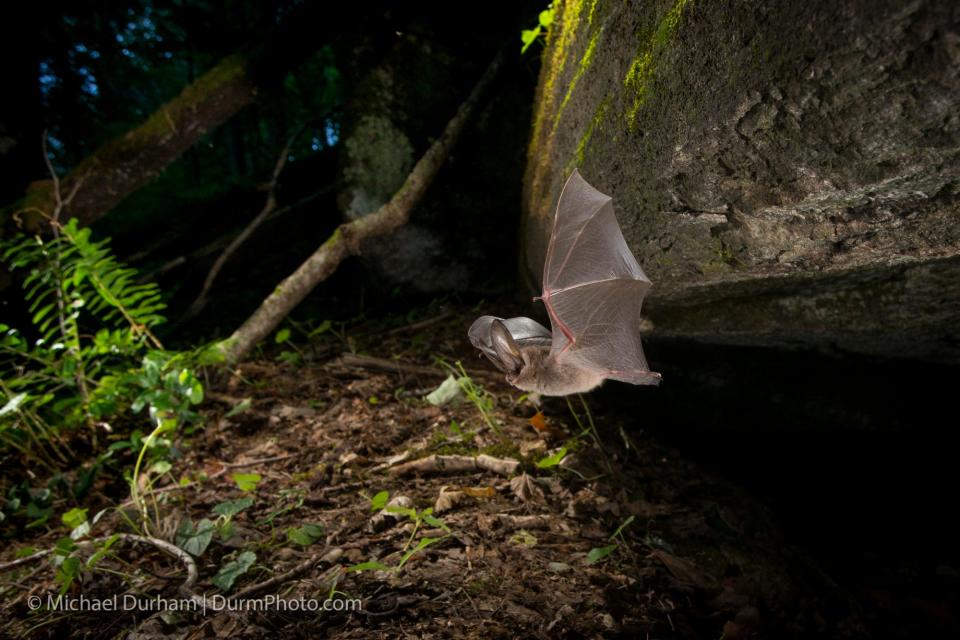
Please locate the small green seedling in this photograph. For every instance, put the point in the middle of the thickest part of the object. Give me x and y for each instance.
(377, 503)
(529, 36)
(599, 553)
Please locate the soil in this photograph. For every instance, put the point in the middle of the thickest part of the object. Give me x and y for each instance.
(515, 546)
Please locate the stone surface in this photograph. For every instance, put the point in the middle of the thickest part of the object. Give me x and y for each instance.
(787, 175)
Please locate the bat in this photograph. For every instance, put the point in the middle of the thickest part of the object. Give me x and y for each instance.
(593, 289)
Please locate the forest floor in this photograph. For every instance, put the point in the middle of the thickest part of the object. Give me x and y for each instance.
(626, 539)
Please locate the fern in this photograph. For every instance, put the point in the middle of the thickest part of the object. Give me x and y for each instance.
(71, 273)
(93, 324)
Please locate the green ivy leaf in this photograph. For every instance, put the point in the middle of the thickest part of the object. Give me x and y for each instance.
(305, 535)
(401, 510)
(528, 36)
(599, 553)
(282, 336)
(231, 508)
(246, 481)
(434, 521)
(321, 329)
(102, 550)
(554, 459)
(232, 570)
(240, 407)
(75, 517)
(195, 540)
(546, 18)
(160, 467)
(68, 571)
(370, 565)
(423, 544)
(379, 501)
(64, 547)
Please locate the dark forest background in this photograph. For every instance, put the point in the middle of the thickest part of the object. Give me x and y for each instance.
(105, 68)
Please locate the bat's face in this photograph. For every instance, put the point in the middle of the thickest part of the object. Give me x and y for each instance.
(525, 376)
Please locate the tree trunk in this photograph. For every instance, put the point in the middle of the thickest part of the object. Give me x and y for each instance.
(786, 173)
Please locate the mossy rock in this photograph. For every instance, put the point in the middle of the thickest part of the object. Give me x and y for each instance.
(787, 176)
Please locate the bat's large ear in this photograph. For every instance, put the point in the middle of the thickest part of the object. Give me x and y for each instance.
(506, 347)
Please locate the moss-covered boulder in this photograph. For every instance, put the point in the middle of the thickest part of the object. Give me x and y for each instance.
(787, 173)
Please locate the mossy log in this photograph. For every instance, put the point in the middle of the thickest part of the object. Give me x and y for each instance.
(788, 174)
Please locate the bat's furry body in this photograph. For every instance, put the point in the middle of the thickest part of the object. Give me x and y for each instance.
(593, 288)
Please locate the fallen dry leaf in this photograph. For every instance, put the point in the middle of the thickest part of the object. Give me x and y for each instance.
(525, 488)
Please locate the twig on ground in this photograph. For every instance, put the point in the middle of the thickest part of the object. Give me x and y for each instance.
(457, 464)
(295, 572)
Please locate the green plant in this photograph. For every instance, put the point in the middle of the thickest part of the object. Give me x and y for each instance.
(599, 553)
(195, 539)
(418, 518)
(293, 498)
(233, 569)
(589, 428)
(544, 20)
(227, 510)
(293, 358)
(91, 320)
(92, 357)
(553, 459)
(67, 564)
(305, 535)
(482, 399)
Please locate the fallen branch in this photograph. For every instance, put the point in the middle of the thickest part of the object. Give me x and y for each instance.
(346, 240)
(457, 464)
(511, 522)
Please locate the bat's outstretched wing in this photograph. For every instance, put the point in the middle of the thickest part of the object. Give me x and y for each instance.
(593, 287)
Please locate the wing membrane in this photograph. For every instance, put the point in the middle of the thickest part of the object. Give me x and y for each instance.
(593, 287)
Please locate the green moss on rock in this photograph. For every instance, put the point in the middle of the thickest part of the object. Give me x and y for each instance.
(641, 69)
